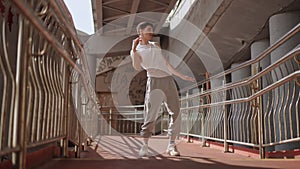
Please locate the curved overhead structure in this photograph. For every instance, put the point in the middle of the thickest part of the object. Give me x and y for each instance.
(233, 25)
(106, 11)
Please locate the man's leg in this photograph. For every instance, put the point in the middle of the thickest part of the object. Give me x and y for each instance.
(153, 102)
(173, 106)
(152, 107)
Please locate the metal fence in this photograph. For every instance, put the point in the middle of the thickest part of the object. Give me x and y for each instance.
(121, 119)
(260, 111)
(128, 120)
(46, 96)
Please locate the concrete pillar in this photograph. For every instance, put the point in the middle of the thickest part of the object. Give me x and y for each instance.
(92, 63)
(240, 74)
(280, 24)
(256, 49)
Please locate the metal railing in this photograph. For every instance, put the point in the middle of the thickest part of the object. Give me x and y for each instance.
(45, 92)
(121, 119)
(260, 111)
(128, 120)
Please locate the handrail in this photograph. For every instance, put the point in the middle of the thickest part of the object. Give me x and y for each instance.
(249, 80)
(11, 150)
(261, 110)
(261, 56)
(133, 106)
(257, 94)
(46, 55)
(32, 145)
(73, 34)
(28, 12)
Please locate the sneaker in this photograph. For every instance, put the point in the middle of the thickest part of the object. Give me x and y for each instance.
(144, 151)
(172, 150)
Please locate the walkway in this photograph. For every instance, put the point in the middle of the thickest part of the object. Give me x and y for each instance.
(114, 152)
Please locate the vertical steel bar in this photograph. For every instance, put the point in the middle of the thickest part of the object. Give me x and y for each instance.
(229, 113)
(3, 104)
(48, 124)
(29, 111)
(202, 119)
(21, 91)
(297, 114)
(59, 70)
(38, 99)
(110, 121)
(242, 115)
(135, 121)
(293, 88)
(52, 107)
(60, 106)
(13, 86)
(225, 122)
(239, 111)
(226, 147)
(260, 122)
(77, 147)
(285, 105)
(45, 98)
(66, 109)
(270, 111)
(55, 98)
(35, 105)
(188, 118)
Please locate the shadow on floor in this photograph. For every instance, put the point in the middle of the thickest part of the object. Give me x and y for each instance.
(120, 152)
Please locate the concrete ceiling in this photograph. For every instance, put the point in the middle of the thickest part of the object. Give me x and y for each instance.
(107, 12)
(235, 25)
(230, 25)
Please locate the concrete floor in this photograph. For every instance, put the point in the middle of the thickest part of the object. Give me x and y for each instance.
(114, 152)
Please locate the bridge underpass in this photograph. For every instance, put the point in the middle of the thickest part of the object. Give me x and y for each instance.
(54, 116)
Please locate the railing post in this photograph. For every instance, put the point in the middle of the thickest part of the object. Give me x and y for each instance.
(161, 123)
(260, 123)
(20, 100)
(188, 118)
(135, 121)
(110, 121)
(77, 147)
(225, 121)
(66, 110)
(202, 120)
(226, 148)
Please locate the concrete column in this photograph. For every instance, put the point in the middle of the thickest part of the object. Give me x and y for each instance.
(237, 76)
(241, 74)
(256, 49)
(279, 25)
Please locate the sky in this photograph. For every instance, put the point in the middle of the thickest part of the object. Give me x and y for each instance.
(81, 12)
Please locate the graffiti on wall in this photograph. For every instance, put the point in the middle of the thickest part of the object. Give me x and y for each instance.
(128, 85)
(108, 63)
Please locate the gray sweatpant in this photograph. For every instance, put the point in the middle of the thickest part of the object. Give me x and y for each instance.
(158, 91)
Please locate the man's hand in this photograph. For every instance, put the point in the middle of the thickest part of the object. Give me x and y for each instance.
(135, 42)
(136, 58)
